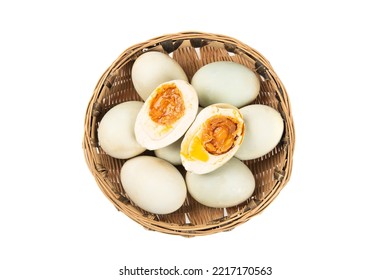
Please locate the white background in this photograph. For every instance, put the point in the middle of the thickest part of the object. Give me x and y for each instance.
(330, 222)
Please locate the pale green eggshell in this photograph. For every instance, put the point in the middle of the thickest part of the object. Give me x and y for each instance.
(225, 82)
(116, 131)
(153, 184)
(264, 128)
(152, 69)
(227, 186)
(171, 153)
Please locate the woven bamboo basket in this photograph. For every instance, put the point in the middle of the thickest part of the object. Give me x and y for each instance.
(191, 50)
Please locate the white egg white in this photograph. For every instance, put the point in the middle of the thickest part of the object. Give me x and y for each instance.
(153, 135)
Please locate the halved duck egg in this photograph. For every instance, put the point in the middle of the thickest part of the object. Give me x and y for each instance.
(166, 114)
(213, 138)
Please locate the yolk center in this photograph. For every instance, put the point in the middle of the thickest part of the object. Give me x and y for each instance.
(219, 134)
(167, 106)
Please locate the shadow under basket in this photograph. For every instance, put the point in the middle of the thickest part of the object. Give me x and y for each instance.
(191, 50)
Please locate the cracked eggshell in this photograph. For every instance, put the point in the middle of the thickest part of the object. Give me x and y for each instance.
(116, 131)
(166, 114)
(154, 68)
(153, 184)
(264, 129)
(229, 185)
(213, 138)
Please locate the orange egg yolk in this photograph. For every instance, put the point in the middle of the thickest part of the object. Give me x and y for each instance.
(219, 134)
(167, 106)
(217, 137)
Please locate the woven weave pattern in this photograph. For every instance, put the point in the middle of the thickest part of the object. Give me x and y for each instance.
(191, 50)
